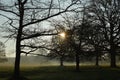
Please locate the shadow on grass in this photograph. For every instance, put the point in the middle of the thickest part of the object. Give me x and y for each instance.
(68, 73)
(18, 78)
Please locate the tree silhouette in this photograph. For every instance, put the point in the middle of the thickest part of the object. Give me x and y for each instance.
(106, 13)
(24, 14)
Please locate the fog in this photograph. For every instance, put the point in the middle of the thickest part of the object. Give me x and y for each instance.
(32, 61)
(36, 61)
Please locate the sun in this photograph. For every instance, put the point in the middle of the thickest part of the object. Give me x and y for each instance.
(62, 34)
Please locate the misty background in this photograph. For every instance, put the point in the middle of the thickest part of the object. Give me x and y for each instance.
(37, 61)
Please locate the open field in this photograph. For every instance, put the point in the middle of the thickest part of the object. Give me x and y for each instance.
(63, 73)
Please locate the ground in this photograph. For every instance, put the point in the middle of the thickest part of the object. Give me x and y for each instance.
(63, 73)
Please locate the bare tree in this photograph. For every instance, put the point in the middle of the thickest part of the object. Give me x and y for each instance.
(75, 33)
(107, 14)
(23, 14)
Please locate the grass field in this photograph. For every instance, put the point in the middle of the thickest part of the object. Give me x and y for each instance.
(63, 73)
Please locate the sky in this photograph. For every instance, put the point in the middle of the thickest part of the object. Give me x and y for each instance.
(10, 44)
(10, 48)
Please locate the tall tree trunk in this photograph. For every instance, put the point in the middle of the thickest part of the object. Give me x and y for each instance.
(17, 59)
(18, 41)
(77, 62)
(113, 56)
(61, 61)
(77, 49)
(112, 46)
(97, 58)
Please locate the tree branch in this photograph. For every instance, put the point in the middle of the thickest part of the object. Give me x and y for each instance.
(37, 35)
(50, 16)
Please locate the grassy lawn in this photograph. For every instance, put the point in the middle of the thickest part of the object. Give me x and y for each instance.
(64, 73)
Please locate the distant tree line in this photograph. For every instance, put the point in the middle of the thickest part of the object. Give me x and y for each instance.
(3, 57)
(94, 33)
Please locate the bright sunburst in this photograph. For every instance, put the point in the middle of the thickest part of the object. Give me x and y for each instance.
(62, 35)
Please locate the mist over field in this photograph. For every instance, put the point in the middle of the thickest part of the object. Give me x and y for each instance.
(36, 61)
(32, 61)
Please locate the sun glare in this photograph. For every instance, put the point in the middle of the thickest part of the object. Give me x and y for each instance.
(62, 35)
